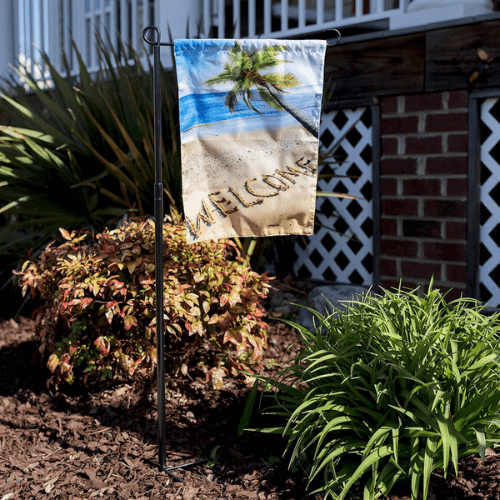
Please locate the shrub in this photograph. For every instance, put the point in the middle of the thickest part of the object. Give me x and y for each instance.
(97, 319)
(398, 386)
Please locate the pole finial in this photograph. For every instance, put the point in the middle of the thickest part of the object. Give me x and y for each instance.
(158, 35)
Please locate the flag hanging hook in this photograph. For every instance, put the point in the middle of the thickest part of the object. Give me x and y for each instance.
(337, 41)
(157, 41)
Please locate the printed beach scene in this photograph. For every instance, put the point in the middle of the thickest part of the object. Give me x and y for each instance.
(249, 119)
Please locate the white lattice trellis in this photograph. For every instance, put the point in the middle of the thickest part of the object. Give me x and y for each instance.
(489, 233)
(342, 247)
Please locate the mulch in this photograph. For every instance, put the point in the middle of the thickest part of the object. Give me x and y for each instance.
(81, 444)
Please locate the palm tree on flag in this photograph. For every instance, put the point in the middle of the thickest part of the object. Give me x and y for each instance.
(244, 71)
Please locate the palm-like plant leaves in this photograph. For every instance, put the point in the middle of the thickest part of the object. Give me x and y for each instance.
(80, 154)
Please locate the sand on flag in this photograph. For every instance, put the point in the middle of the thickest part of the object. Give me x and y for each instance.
(249, 115)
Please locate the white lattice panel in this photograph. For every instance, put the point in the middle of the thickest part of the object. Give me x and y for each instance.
(489, 233)
(341, 249)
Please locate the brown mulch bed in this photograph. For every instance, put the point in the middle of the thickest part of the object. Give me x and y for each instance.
(78, 444)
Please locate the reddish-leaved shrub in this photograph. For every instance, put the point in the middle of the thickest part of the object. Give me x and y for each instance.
(97, 313)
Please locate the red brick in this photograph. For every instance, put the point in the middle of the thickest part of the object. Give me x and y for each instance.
(421, 270)
(422, 228)
(399, 207)
(449, 122)
(458, 143)
(395, 166)
(454, 292)
(389, 105)
(458, 99)
(389, 227)
(388, 186)
(444, 208)
(456, 187)
(456, 272)
(423, 102)
(399, 125)
(388, 267)
(421, 187)
(389, 146)
(398, 248)
(424, 145)
(389, 284)
(411, 285)
(446, 165)
(456, 230)
(444, 251)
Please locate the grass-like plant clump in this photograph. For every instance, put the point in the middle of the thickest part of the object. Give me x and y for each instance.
(400, 385)
(97, 318)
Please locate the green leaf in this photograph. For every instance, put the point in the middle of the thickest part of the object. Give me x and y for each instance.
(248, 410)
(481, 442)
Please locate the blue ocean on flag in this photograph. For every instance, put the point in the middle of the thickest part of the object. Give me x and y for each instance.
(196, 110)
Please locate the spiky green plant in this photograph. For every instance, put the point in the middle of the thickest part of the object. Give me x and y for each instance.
(398, 386)
(80, 154)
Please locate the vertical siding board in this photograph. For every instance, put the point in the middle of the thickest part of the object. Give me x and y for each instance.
(251, 19)
(236, 19)
(302, 13)
(207, 17)
(43, 28)
(267, 17)
(221, 17)
(134, 30)
(284, 15)
(339, 10)
(320, 11)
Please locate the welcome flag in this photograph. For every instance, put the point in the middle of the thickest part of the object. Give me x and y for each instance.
(249, 119)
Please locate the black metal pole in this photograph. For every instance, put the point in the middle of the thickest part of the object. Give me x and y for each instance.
(158, 213)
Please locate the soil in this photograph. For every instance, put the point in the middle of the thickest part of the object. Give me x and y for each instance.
(77, 444)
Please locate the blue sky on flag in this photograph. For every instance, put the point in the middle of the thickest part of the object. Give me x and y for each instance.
(199, 65)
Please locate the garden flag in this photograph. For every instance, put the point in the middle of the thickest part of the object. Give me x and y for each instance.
(249, 119)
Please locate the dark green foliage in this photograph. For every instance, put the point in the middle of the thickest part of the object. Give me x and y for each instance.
(97, 319)
(400, 385)
(79, 154)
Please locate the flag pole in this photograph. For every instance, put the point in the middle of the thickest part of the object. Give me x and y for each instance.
(158, 216)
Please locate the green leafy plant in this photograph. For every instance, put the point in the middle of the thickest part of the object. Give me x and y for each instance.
(78, 152)
(97, 319)
(398, 386)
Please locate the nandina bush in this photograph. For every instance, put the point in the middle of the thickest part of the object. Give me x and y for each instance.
(97, 318)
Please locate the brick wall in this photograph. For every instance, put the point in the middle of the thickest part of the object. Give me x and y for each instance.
(423, 189)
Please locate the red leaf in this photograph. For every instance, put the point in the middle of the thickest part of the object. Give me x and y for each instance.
(224, 299)
(102, 345)
(129, 321)
(234, 298)
(53, 363)
(85, 302)
(213, 320)
(65, 234)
